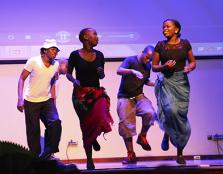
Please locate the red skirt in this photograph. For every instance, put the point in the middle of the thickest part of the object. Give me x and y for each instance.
(92, 107)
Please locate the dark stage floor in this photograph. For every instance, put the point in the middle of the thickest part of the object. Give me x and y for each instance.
(213, 166)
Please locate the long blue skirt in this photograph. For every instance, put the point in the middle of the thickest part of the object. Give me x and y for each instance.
(173, 100)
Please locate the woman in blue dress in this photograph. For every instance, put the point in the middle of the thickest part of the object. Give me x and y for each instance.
(174, 59)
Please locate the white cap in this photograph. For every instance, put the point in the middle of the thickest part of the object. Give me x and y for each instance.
(49, 43)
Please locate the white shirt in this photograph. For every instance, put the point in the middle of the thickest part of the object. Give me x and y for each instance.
(39, 84)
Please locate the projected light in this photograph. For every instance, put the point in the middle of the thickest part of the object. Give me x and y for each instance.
(123, 28)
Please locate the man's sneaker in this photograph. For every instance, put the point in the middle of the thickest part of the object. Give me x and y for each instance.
(165, 143)
(131, 158)
(49, 156)
(143, 142)
(96, 146)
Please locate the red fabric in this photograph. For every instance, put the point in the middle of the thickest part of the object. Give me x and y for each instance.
(98, 118)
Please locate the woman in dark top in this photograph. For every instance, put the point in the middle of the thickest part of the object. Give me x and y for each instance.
(90, 101)
(172, 86)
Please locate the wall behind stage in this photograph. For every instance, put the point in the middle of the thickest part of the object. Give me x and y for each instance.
(205, 113)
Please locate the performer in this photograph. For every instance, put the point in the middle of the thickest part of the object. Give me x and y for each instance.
(90, 101)
(38, 102)
(172, 86)
(135, 72)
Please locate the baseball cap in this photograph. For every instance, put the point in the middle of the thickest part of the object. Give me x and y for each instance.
(49, 43)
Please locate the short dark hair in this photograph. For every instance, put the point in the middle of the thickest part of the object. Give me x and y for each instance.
(177, 24)
(82, 33)
(148, 48)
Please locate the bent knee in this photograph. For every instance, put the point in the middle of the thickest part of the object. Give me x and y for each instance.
(127, 129)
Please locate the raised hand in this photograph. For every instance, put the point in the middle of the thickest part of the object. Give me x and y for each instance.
(170, 64)
(137, 74)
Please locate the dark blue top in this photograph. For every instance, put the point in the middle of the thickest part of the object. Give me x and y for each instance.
(86, 72)
(177, 52)
(131, 85)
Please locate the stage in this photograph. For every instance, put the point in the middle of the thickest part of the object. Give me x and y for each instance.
(206, 166)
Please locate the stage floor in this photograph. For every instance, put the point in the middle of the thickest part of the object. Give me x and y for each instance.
(153, 164)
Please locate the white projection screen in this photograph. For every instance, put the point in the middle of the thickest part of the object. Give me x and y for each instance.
(124, 26)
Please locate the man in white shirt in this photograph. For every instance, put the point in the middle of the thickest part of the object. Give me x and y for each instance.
(38, 102)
